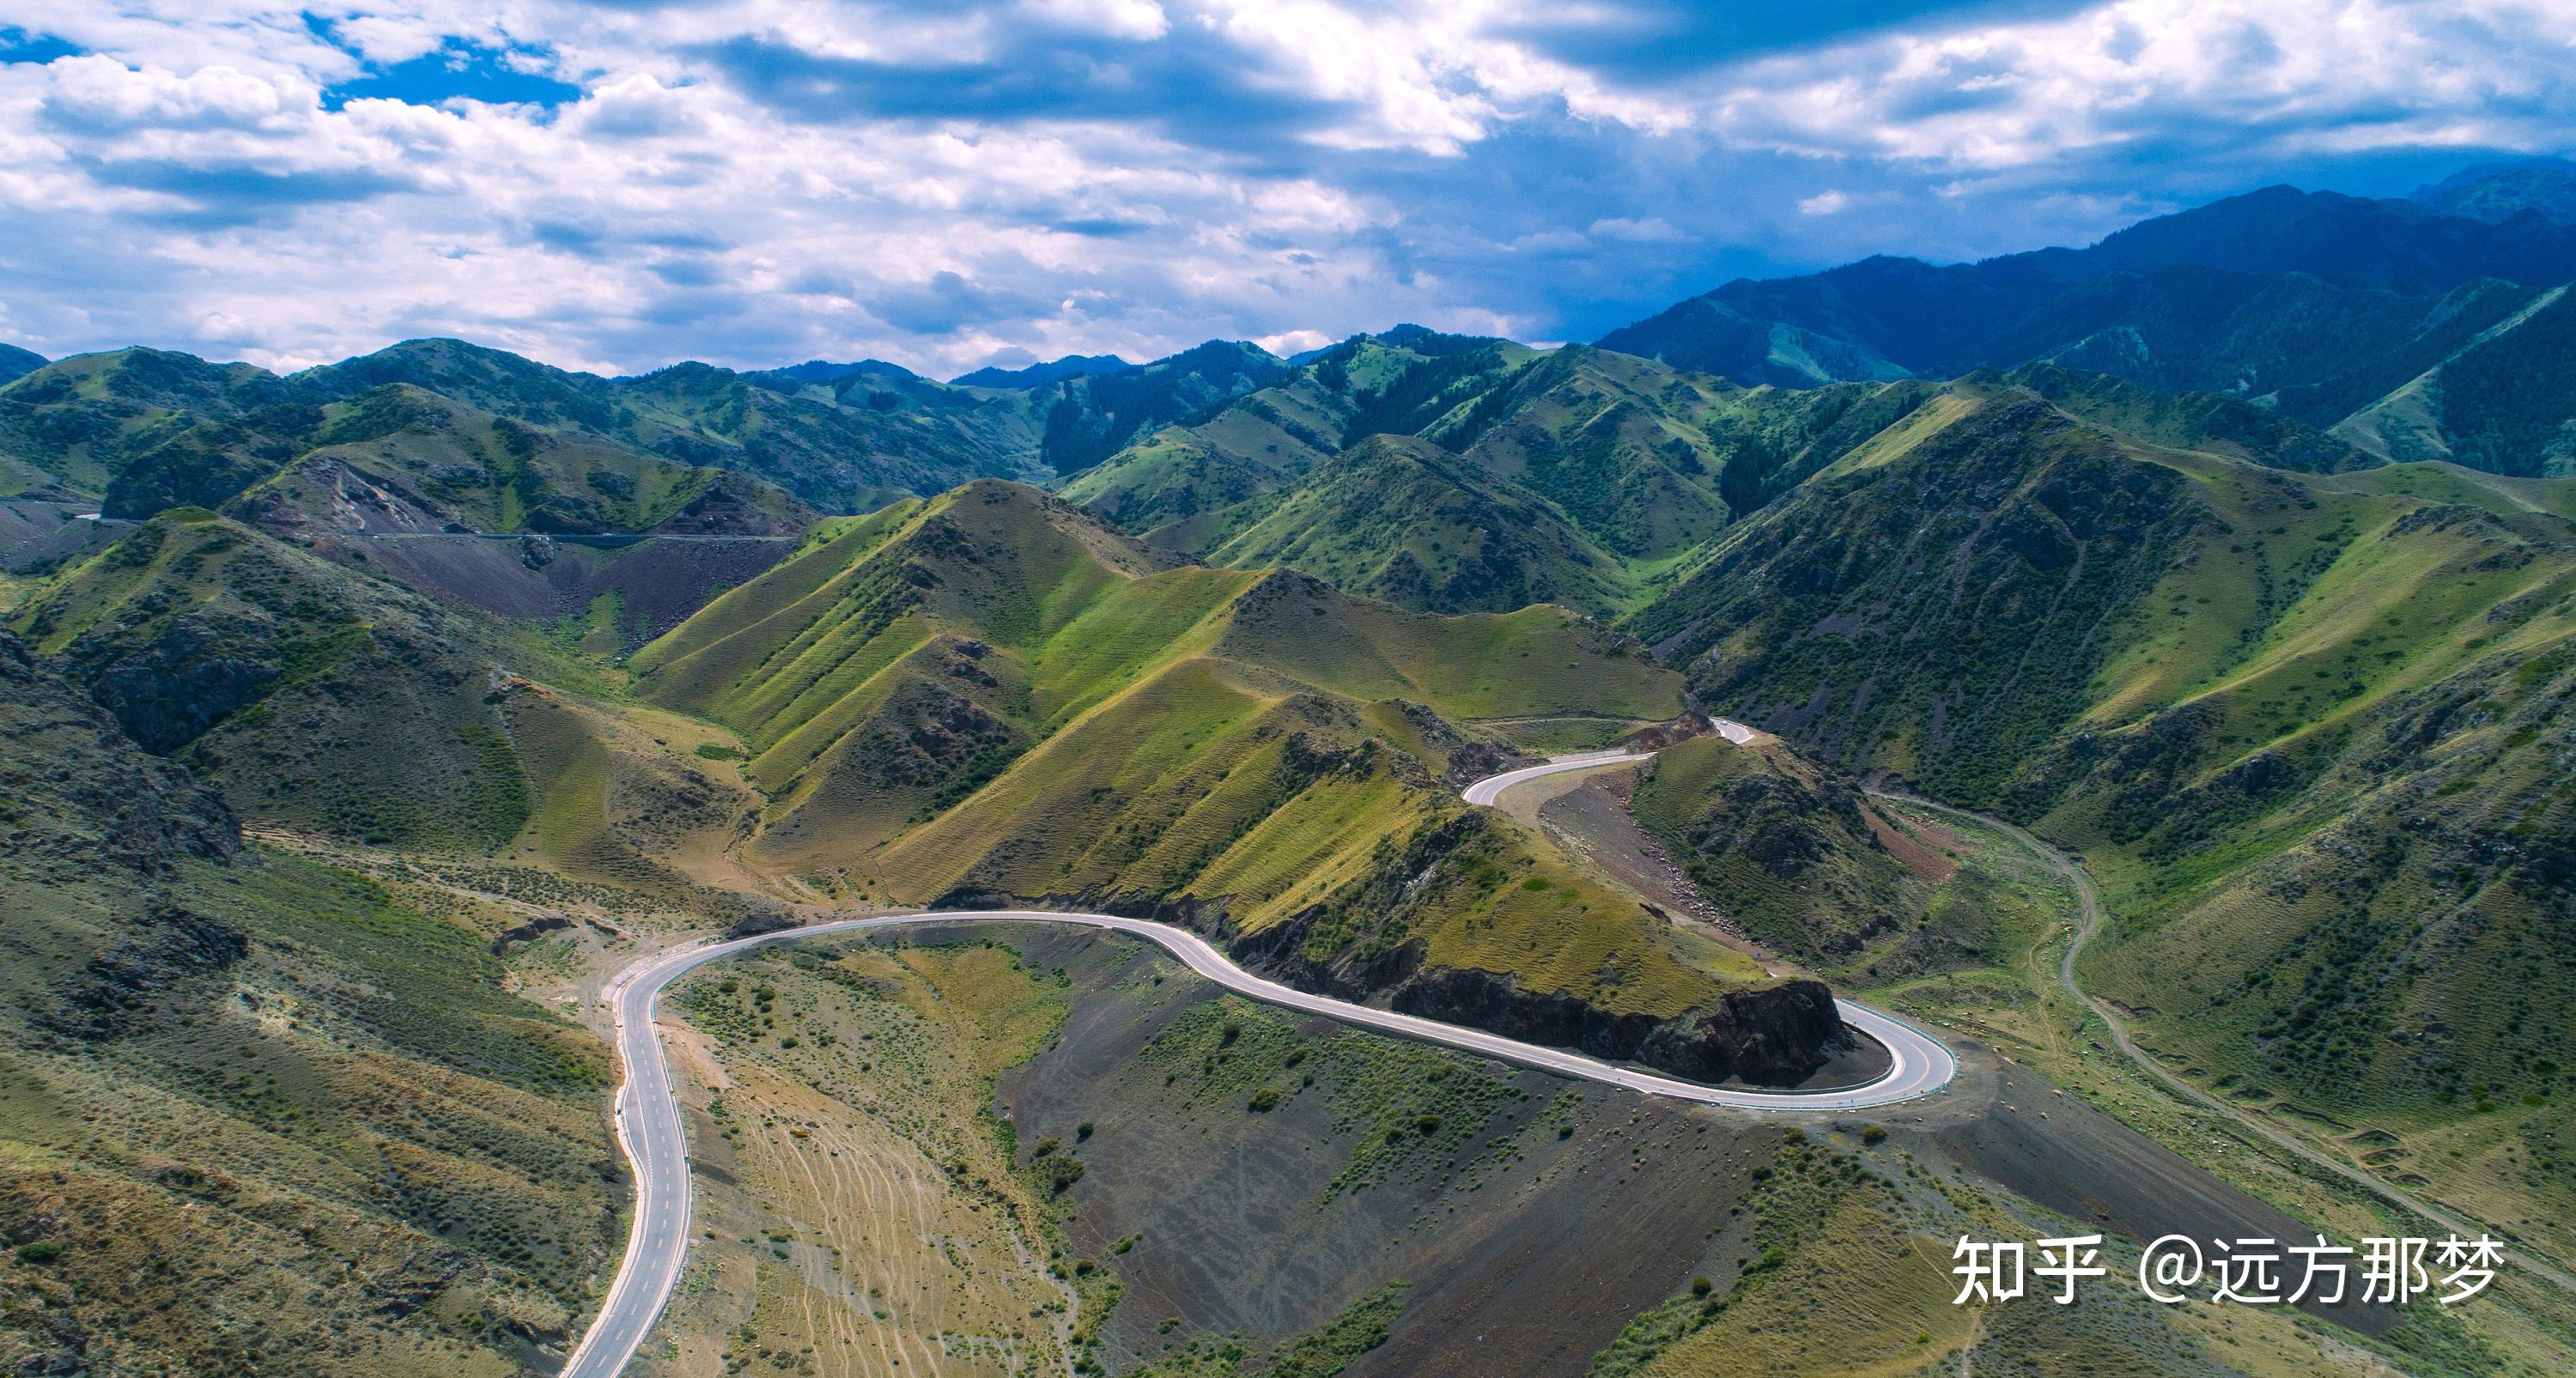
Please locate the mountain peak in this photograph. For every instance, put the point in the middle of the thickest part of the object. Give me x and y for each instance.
(824, 371)
(16, 363)
(2497, 192)
(1069, 366)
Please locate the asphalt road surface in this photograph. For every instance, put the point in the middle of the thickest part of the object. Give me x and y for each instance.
(650, 1132)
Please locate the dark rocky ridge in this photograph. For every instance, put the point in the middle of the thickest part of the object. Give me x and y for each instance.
(1776, 1035)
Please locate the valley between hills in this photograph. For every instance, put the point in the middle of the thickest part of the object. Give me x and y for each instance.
(365, 723)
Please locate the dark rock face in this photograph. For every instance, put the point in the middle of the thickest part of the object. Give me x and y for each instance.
(767, 921)
(1279, 952)
(170, 945)
(725, 509)
(1470, 759)
(1775, 1036)
(78, 792)
(169, 692)
(528, 932)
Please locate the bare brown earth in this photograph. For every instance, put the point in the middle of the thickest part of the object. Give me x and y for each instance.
(1931, 850)
(1591, 816)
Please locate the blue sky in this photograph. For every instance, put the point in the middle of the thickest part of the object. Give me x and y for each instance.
(617, 185)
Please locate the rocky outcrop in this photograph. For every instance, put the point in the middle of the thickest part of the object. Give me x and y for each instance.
(1769, 1036)
(764, 921)
(1279, 952)
(169, 690)
(528, 932)
(169, 945)
(75, 791)
(1772, 1036)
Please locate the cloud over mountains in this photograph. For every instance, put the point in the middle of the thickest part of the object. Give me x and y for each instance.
(614, 185)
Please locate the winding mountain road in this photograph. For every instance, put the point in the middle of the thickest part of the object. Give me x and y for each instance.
(650, 1132)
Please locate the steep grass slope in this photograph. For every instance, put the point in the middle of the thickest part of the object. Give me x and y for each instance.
(843, 441)
(2504, 403)
(253, 1112)
(1622, 446)
(1190, 485)
(1929, 603)
(294, 685)
(189, 431)
(146, 430)
(993, 695)
(1787, 852)
(431, 432)
(2309, 727)
(324, 700)
(1456, 475)
(1403, 521)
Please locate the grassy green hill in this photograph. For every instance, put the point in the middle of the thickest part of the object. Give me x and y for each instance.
(398, 458)
(1964, 558)
(222, 1142)
(1457, 474)
(291, 682)
(560, 450)
(847, 442)
(835, 452)
(2504, 403)
(2206, 421)
(323, 700)
(1621, 445)
(2305, 725)
(2448, 483)
(148, 427)
(1085, 418)
(994, 695)
(1405, 522)
(1014, 604)
(146, 430)
(1176, 486)
(1790, 854)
